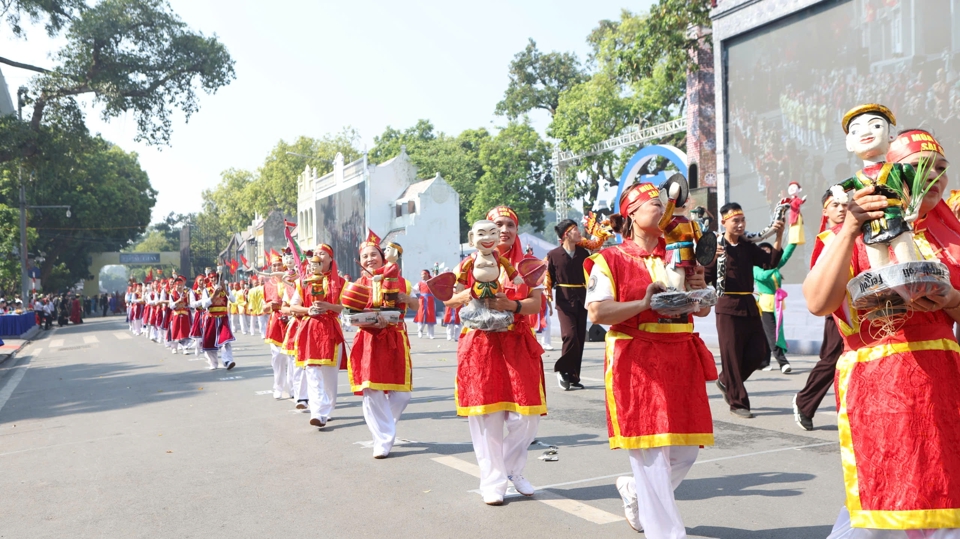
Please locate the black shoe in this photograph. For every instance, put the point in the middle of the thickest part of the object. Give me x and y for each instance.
(806, 423)
(742, 413)
(723, 391)
(564, 381)
(577, 385)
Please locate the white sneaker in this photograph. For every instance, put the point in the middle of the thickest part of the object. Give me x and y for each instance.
(522, 485)
(174, 351)
(278, 395)
(631, 509)
(785, 368)
(492, 498)
(767, 368)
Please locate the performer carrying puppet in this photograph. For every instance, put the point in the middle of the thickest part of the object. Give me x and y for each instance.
(900, 449)
(275, 291)
(655, 372)
(379, 367)
(499, 373)
(217, 335)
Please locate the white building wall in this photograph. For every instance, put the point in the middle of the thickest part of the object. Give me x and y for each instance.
(432, 232)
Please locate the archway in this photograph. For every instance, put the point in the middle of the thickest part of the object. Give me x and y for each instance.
(91, 287)
(640, 160)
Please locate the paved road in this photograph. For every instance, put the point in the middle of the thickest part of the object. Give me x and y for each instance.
(107, 435)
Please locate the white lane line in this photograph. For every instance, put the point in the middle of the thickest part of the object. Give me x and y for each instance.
(56, 343)
(577, 509)
(630, 473)
(13, 382)
(122, 336)
(267, 392)
(591, 379)
(90, 339)
(468, 468)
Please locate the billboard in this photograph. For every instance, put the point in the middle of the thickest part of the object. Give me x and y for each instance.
(342, 224)
(788, 84)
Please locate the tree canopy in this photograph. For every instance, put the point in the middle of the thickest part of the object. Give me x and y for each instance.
(537, 80)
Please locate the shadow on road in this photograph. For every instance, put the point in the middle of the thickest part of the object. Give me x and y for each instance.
(740, 485)
(803, 532)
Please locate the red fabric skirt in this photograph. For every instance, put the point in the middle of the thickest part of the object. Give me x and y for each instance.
(289, 346)
(898, 414)
(426, 312)
(147, 314)
(380, 359)
(196, 327)
(500, 371)
(656, 389)
(276, 330)
(451, 316)
(138, 311)
(216, 333)
(320, 340)
(179, 327)
(166, 318)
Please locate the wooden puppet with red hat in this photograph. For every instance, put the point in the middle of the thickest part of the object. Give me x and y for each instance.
(217, 336)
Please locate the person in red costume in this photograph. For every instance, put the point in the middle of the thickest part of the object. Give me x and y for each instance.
(451, 319)
(199, 313)
(320, 344)
(897, 391)
(379, 367)
(500, 375)
(273, 293)
(655, 369)
(217, 335)
(179, 326)
(427, 310)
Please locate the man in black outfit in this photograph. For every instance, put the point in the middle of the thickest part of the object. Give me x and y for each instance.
(565, 273)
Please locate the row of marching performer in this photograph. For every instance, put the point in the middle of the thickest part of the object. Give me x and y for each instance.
(183, 319)
(306, 339)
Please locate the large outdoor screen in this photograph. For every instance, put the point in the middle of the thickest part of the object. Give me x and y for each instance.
(789, 83)
(342, 224)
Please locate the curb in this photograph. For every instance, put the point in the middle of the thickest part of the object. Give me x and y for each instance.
(27, 339)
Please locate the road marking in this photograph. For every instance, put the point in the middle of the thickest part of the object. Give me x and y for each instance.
(573, 507)
(591, 379)
(56, 343)
(13, 382)
(630, 473)
(90, 339)
(197, 359)
(232, 378)
(267, 392)
(577, 509)
(459, 464)
(122, 336)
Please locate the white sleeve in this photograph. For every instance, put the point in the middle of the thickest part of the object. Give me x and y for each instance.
(205, 300)
(599, 287)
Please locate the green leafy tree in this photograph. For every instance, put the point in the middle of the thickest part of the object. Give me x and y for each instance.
(537, 80)
(515, 173)
(109, 194)
(130, 56)
(10, 249)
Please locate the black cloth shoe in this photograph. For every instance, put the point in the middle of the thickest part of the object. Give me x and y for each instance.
(742, 413)
(564, 380)
(577, 385)
(806, 423)
(723, 391)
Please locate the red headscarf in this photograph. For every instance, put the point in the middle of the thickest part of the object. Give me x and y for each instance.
(334, 278)
(636, 196)
(940, 222)
(515, 254)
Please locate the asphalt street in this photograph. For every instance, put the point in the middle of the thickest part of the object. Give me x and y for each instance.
(103, 434)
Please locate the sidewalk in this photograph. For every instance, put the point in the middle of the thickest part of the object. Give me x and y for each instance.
(12, 346)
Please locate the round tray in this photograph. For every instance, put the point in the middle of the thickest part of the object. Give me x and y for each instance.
(898, 284)
(674, 303)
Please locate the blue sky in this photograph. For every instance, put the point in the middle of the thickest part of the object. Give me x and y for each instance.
(310, 68)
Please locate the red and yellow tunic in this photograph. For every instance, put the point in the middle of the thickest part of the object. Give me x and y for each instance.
(427, 309)
(655, 371)
(898, 412)
(380, 358)
(500, 371)
(320, 338)
(216, 327)
(277, 325)
(289, 345)
(180, 318)
(196, 327)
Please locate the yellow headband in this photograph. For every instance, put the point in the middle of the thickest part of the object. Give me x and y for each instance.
(729, 214)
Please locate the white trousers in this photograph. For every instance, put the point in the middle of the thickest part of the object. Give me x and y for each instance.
(420, 326)
(657, 472)
(453, 332)
(225, 353)
(382, 413)
(136, 327)
(501, 456)
(244, 322)
(298, 381)
(322, 390)
(544, 337)
(842, 530)
(279, 360)
(261, 320)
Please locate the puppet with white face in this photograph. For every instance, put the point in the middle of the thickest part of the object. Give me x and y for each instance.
(482, 276)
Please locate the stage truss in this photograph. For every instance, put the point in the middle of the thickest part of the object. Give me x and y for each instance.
(632, 136)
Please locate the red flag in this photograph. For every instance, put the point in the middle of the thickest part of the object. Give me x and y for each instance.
(244, 260)
(233, 266)
(149, 276)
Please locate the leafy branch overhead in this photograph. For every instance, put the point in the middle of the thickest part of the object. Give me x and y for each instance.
(130, 56)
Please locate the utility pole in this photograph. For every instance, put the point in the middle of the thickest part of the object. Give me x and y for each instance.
(24, 275)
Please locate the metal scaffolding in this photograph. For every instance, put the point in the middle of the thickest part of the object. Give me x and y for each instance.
(632, 136)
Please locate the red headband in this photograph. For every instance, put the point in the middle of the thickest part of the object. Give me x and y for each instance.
(503, 211)
(636, 196)
(911, 142)
(325, 248)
